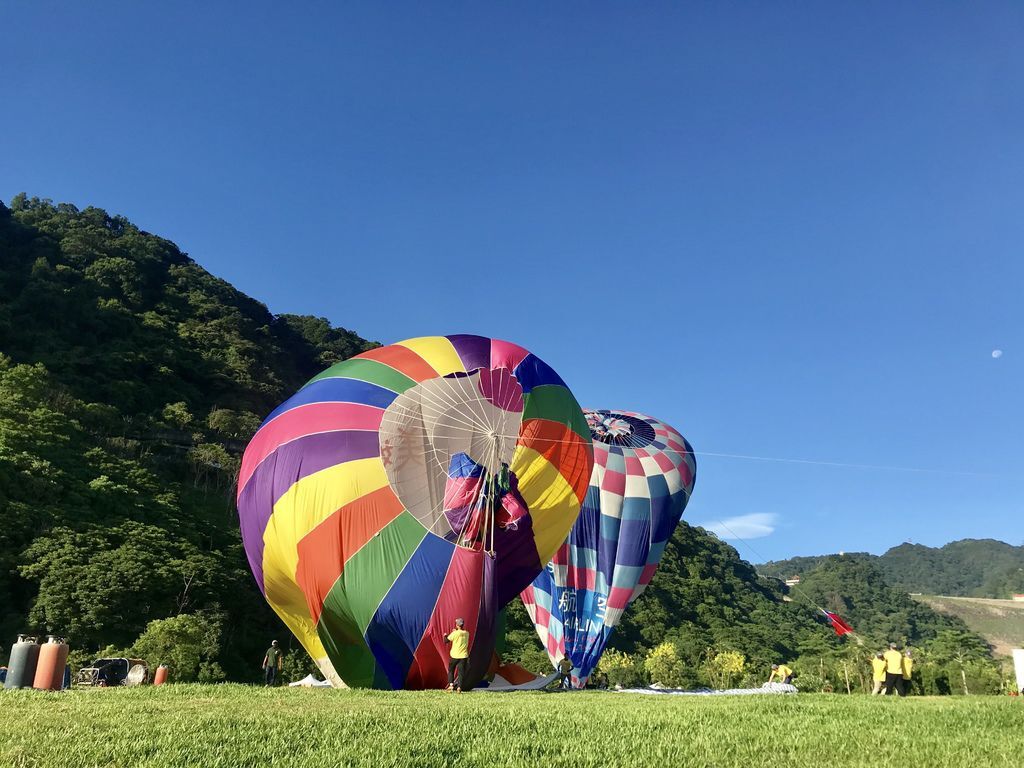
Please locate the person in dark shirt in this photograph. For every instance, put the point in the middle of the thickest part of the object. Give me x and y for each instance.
(272, 662)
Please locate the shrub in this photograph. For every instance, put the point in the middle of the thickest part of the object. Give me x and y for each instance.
(664, 665)
(725, 669)
(187, 644)
(621, 668)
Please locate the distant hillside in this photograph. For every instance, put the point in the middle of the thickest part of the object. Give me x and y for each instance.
(857, 589)
(1000, 622)
(970, 567)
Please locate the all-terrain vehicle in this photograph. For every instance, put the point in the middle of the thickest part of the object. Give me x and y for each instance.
(109, 672)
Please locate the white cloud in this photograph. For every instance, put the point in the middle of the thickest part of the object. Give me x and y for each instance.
(753, 526)
(997, 353)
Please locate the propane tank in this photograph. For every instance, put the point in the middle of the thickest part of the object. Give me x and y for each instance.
(53, 655)
(21, 670)
(161, 675)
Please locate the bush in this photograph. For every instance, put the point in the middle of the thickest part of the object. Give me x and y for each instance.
(622, 669)
(664, 665)
(295, 665)
(725, 668)
(187, 644)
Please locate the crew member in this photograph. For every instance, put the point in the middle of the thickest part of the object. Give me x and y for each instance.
(457, 655)
(564, 670)
(272, 662)
(908, 671)
(878, 673)
(782, 673)
(893, 671)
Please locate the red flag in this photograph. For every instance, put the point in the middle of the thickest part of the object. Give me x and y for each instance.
(840, 626)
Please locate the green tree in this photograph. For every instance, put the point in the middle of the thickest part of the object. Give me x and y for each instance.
(296, 665)
(725, 669)
(664, 665)
(622, 669)
(188, 644)
(103, 585)
(177, 415)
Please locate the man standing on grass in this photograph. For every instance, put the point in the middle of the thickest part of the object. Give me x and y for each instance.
(893, 671)
(272, 663)
(908, 671)
(564, 673)
(878, 673)
(457, 655)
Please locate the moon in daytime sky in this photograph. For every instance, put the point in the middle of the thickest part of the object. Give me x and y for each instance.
(997, 353)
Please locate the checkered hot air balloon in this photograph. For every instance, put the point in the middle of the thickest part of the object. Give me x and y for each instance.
(403, 488)
(644, 472)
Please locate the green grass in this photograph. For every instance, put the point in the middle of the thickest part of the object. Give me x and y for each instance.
(1000, 622)
(233, 725)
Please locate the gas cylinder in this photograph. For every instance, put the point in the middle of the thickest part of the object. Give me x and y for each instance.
(21, 670)
(53, 655)
(161, 675)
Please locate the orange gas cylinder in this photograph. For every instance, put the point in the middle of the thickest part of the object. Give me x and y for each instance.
(161, 675)
(53, 656)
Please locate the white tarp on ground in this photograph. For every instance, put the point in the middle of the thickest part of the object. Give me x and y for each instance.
(501, 684)
(309, 682)
(1018, 664)
(766, 688)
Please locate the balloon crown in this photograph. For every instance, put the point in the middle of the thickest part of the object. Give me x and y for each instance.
(620, 429)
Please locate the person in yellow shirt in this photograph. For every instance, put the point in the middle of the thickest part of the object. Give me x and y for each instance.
(893, 671)
(783, 673)
(457, 655)
(565, 673)
(908, 671)
(878, 673)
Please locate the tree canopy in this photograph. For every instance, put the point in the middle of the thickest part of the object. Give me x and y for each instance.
(130, 381)
(965, 568)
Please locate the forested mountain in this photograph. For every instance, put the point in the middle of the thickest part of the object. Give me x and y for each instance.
(130, 381)
(966, 568)
(970, 567)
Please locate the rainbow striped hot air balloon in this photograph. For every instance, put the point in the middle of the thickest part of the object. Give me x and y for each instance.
(644, 473)
(406, 487)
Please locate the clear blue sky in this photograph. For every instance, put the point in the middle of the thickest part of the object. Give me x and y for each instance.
(792, 232)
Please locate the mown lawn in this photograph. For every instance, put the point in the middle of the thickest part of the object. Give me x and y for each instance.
(233, 725)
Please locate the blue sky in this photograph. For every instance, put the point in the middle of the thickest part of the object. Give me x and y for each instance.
(793, 232)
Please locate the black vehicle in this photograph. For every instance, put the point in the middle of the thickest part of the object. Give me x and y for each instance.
(109, 672)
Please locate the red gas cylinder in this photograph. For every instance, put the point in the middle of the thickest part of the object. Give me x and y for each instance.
(161, 675)
(53, 656)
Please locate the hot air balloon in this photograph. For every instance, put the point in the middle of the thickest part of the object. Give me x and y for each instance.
(644, 473)
(406, 487)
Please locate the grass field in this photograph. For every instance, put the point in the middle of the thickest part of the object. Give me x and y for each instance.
(1001, 622)
(232, 725)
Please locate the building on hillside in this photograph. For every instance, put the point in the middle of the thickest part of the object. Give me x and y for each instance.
(792, 581)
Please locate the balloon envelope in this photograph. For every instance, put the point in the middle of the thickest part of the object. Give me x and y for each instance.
(644, 472)
(406, 487)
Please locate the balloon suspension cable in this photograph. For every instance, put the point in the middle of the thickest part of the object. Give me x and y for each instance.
(799, 592)
(443, 403)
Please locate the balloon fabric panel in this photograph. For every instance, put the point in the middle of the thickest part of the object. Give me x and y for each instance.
(404, 488)
(642, 479)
